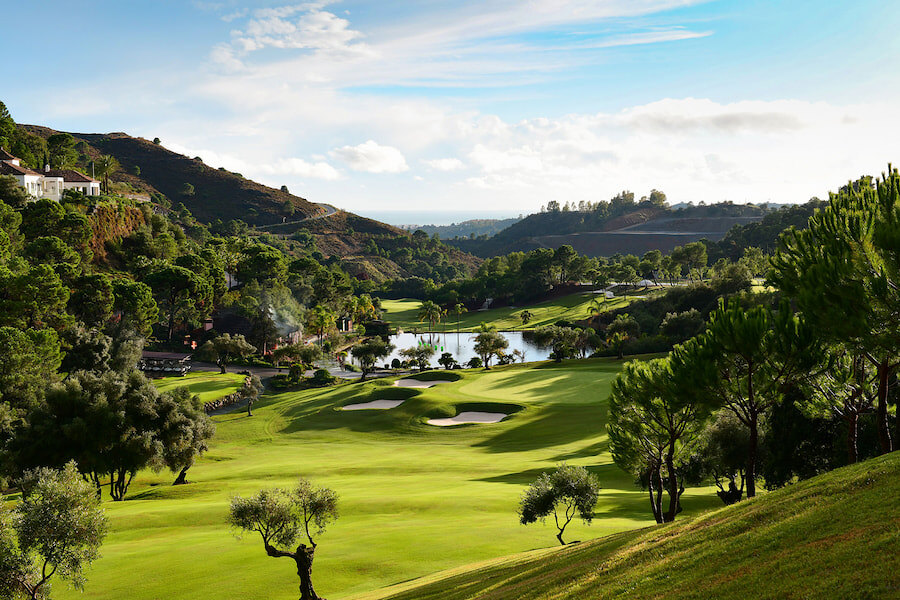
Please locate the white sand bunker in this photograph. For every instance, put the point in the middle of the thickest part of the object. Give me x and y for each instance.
(469, 417)
(374, 404)
(415, 383)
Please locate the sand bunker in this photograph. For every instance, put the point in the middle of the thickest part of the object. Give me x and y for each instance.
(415, 383)
(374, 404)
(469, 417)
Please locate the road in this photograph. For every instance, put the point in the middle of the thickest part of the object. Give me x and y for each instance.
(329, 210)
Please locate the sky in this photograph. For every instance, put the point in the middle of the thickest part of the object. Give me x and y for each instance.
(435, 110)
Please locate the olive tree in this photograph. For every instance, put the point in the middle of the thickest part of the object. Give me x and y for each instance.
(56, 530)
(564, 493)
(280, 517)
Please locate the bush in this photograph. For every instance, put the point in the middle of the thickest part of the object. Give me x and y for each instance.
(322, 378)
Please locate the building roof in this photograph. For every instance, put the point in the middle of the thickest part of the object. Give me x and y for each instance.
(70, 176)
(7, 168)
(4, 155)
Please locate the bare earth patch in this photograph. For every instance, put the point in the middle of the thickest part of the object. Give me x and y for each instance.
(415, 383)
(374, 404)
(469, 417)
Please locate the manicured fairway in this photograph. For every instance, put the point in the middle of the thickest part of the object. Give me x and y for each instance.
(575, 307)
(415, 499)
(209, 386)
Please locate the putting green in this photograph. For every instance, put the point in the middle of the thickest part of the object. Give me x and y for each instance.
(575, 307)
(209, 386)
(414, 499)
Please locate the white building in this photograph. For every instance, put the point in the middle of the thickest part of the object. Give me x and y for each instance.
(50, 184)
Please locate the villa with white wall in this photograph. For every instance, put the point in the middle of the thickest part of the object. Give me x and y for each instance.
(50, 184)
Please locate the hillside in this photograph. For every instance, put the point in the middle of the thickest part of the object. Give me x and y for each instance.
(833, 536)
(369, 249)
(217, 194)
(616, 228)
(464, 229)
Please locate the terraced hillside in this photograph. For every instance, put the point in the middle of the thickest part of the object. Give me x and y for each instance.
(833, 536)
(637, 230)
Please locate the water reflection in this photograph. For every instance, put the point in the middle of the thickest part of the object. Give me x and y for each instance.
(461, 345)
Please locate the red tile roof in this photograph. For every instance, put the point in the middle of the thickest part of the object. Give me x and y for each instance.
(4, 155)
(7, 168)
(70, 176)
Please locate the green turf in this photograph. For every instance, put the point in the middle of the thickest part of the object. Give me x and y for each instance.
(575, 307)
(209, 386)
(834, 536)
(415, 499)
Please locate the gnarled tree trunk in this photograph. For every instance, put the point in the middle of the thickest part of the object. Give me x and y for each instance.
(303, 557)
(182, 476)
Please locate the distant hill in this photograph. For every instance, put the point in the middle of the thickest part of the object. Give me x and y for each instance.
(623, 227)
(367, 248)
(472, 227)
(832, 536)
(217, 194)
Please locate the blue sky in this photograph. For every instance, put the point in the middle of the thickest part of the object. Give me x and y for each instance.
(491, 107)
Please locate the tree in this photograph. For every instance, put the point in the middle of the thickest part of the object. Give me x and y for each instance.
(92, 299)
(187, 190)
(11, 192)
(368, 353)
(683, 325)
(33, 298)
(624, 328)
(447, 361)
(431, 312)
(185, 429)
(459, 309)
(526, 317)
(489, 343)
(61, 147)
(134, 306)
(30, 362)
(92, 350)
(563, 340)
(57, 529)
(108, 423)
(846, 390)
(721, 453)
(843, 272)
(305, 354)
(419, 355)
(320, 320)
(182, 294)
(566, 492)
(105, 166)
(754, 355)
(653, 421)
(280, 517)
(225, 347)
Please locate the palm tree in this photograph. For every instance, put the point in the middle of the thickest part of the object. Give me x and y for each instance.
(104, 167)
(526, 316)
(459, 309)
(431, 312)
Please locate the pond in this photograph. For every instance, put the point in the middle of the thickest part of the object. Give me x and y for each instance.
(461, 346)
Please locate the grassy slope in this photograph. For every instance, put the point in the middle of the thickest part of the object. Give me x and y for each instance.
(209, 386)
(575, 307)
(415, 499)
(834, 536)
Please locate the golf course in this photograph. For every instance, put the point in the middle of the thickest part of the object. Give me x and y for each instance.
(404, 313)
(414, 499)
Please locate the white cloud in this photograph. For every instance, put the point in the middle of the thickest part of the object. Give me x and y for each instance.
(445, 164)
(302, 168)
(371, 157)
